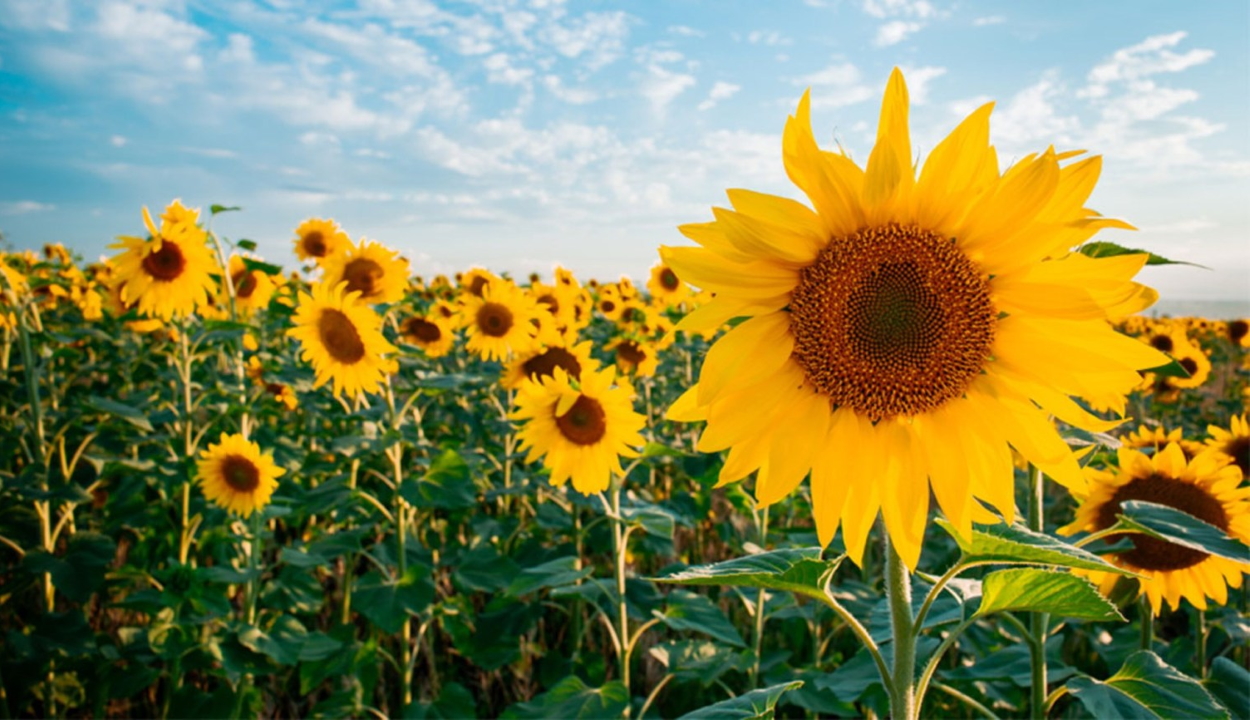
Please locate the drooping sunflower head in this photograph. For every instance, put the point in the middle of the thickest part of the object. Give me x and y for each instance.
(903, 316)
(169, 273)
(500, 322)
(542, 361)
(580, 429)
(1233, 443)
(432, 333)
(1207, 487)
(370, 269)
(343, 340)
(236, 475)
(317, 239)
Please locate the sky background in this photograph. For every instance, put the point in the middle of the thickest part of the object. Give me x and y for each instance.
(519, 134)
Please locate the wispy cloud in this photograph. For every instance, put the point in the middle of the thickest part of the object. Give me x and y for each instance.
(24, 207)
(720, 91)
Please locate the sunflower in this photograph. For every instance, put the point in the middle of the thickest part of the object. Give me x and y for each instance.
(500, 321)
(610, 303)
(1195, 361)
(580, 430)
(342, 338)
(1206, 487)
(371, 269)
(252, 288)
(904, 333)
(1233, 442)
(169, 273)
(1153, 438)
(474, 281)
(236, 475)
(1238, 332)
(634, 356)
(432, 333)
(565, 278)
(541, 361)
(317, 239)
(665, 287)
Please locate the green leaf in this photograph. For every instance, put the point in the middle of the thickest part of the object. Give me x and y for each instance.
(1180, 528)
(757, 704)
(1016, 544)
(796, 570)
(246, 244)
(653, 519)
(572, 698)
(1229, 683)
(484, 569)
(282, 643)
(130, 414)
(551, 574)
(654, 449)
(260, 266)
(1145, 687)
(1101, 249)
(1049, 591)
(389, 603)
(690, 611)
(215, 208)
(1173, 369)
(80, 570)
(445, 486)
(701, 660)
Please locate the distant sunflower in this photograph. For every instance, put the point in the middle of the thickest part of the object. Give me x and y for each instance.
(170, 272)
(474, 281)
(371, 269)
(317, 239)
(1194, 359)
(635, 357)
(236, 475)
(1238, 332)
(610, 303)
(1206, 487)
(432, 333)
(1233, 442)
(908, 331)
(665, 287)
(500, 322)
(580, 430)
(1153, 438)
(540, 362)
(342, 339)
(252, 288)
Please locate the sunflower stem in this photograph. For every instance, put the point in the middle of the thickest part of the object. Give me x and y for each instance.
(1037, 621)
(1147, 616)
(903, 704)
(1200, 652)
(188, 441)
(619, 540)
(761, 530)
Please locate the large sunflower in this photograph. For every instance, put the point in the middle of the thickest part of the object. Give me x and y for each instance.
(1207, 487)
(236, 475)
(317, 239)
(371, 269)
(903, 334)
(343, 340)
(580, 430)
(500, 322)
(170, 272)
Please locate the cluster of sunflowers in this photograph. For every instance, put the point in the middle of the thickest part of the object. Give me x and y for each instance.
(1191, 342)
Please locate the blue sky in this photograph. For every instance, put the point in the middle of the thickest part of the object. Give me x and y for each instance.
(520, 133)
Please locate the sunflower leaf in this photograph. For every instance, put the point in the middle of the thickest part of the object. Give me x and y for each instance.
(796, 570)
(690, 611)
(1145, 686)
(215, 208)
(1049, 591)
(246, 244)
(573, 698)
(132, 415)
(1016, 544)
(1180, 528)
(755, 705)
(1172, 369)
(1228, 682)
(260, 266)
(1102, 249)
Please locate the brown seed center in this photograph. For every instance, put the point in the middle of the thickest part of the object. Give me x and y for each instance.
(363, 276)
(478, 285)
(340, 337)
(1237, 329)
(494, 319)
(585, 423)
(892, 320)
(1162, 343)
(553, 304)
(1239, 449)
(631, 352)
(244, 284)
(544, 364)
(240, 474)
(315, 244)
(166, 263)
(423, 330)
(669, 280)
(1151, 553)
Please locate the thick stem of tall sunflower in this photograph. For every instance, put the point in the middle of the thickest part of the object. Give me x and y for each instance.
(761, 531)
(1038, 622)
(396, 455)
(1146, 613)
(240, 366)
(1200, 652)
(619, 540)
(903, 701)
(188, 441)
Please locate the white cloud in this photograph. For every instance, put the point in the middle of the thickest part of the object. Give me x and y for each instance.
(989, 20)
(895, 32)
(36, 15)
(313, 138)
(570, 95)
(720, 91)
(661, 86)
(118, 141)
(600, 36)
(899, 8)
(684, 31)
(770, 38)
(1031, 116)
(838, 85)
(499, 69)
(1149, 57)
(23, 207)
(918, 79)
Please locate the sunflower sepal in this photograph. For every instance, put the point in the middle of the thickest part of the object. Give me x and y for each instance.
(1179, 528)
(1018, 545)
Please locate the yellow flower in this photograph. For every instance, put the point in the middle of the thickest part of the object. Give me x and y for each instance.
(252, 288)
(665, 287)
(170, 273)
(474, 281)
(1154, 438)
(635, 357)
(541, 362)
(580, 431)
(317, 239)
(1238, 332)
(610, 303)
(1233, 442)
(904, 333)
(1206, 487)
(432, 333)
(370, 269)
(236, 475)
(343, 340)
(500, 322)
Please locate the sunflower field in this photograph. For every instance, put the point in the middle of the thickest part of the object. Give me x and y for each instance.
(915, 448)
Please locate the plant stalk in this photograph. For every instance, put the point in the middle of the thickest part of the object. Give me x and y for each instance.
(903, 704)
(1038, 622)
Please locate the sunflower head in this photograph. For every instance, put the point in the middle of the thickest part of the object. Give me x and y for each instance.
(1233, 443)
(317, 239)
(665, 287)
(236, 475)
(371, 270)
(1206, 487)
(169, 273)
(343, 340)
(432, 333)
(500, 322)
(542, 361)
(252, 288)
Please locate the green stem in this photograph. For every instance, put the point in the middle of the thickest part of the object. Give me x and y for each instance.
(1200, 652)
(619, 541)
(760, 599)
(43, 508)
(188, 442)
(1038, 622)
(1147, 617)
(966, 700)
(860, 632)
(898, 590)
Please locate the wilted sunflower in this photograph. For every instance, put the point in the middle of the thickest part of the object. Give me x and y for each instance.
(432, 333)
(236, 475)
(170, 272)
(499, 322)
(371, 269)
(252, 288)
(665, 287)
(901, 333)
(317, 239)
(1233, 442)
(541, 361)
(580, 430)
(1206, 487)
(342, 339)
